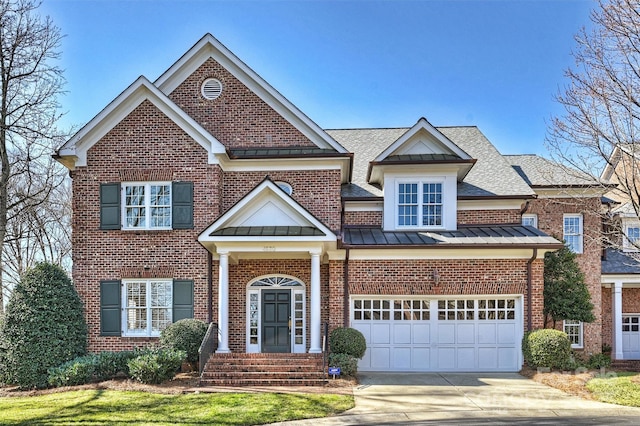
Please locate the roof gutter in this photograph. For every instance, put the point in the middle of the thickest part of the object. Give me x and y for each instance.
(529, 291)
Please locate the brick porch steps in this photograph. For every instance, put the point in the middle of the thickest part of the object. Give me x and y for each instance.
(626, 364)
(240, 369)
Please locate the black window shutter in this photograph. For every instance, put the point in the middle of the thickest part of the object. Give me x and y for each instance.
(182, 199)
(109, 206)
(110, 308)
(182, 299)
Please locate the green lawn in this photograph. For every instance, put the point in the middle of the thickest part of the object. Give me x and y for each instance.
(616, 390)
(113, 407)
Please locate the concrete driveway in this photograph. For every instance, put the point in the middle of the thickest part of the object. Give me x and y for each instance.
(452, 398)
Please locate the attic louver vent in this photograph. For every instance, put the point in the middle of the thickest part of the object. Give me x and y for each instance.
(211, 88)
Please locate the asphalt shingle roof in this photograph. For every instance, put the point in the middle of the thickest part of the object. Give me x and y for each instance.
(618, 262)
(490, 176)
(539, 171)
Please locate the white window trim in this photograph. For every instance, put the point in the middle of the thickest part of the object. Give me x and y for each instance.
(147, 205)
(627, 245)
(420, 183)
(580, 231)
(580, 324)
(148, 332)
(533, 217)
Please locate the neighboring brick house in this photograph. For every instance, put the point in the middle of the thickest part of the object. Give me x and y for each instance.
(207, 194)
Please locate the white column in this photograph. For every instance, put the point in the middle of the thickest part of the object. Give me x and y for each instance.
(315, 304)
(616, 290)
(223, 304)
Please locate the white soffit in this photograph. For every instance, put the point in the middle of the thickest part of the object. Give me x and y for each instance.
(141, 90)
(209, 47)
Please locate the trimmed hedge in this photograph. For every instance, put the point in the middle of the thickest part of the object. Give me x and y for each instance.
(185, 335)
(157, 366)
(348, 364)
(546, 348)
(344, 340)
(43, 327)
(78, 371)
(111, 364)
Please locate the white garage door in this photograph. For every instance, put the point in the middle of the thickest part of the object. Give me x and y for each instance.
(631, 336)
(445, 334)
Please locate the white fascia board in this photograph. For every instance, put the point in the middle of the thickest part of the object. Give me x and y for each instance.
(269, 250)
(237, 210)
(589, 192)
(292, 164)
(363, 206)
(443, 253)
(514, 204)
(628, 280)
(122, 106)
(209, 47)
(422, 124)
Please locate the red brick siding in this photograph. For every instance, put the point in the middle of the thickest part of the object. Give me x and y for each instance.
(550, 220)
(363, 218)
(238, 118)
(137, 143)
(318, 191)
(457, 277)
(479, 217)
(247, 270)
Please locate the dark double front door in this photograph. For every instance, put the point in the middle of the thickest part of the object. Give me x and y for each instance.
(276, 321)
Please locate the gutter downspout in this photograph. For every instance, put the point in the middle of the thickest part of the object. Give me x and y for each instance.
(529, 292)
(345, 280)
(209, 287)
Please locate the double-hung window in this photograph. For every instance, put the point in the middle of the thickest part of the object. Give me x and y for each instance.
(147, 205)
(530, 219)
(632, 237)
(147, 306)
(420, 204)
(574, 332)
(572, 232)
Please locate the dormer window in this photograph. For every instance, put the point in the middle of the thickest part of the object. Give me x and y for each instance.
(420, 204)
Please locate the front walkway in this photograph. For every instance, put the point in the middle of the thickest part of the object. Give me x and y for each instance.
(505, 398)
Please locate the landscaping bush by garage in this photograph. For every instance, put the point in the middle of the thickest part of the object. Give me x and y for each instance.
(347, 363)
(344, 340)
(546, 348)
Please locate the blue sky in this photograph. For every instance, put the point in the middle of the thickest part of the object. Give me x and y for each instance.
(494, 64)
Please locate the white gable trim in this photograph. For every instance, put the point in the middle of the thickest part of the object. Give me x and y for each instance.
(269, 196)
(210, 47)
(74, 151)
(422, 124)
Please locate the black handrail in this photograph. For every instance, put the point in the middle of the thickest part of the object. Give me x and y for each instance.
(208, 346)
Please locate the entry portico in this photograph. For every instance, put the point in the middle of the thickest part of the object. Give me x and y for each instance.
(269, 224)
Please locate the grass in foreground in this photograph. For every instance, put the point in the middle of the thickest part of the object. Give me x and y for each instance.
(621, 389)
(112, 407)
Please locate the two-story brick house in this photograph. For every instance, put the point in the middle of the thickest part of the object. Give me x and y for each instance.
(208, 194)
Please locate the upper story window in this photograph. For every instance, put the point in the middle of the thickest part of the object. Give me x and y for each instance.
(147, 205)
(530, 219)
(420, 204)
(631, 237)
(572, 232)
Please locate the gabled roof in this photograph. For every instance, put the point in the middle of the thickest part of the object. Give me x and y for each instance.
(266, 213)
(209, 47)
(74, 152)
(630, 149)
(490, 177)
